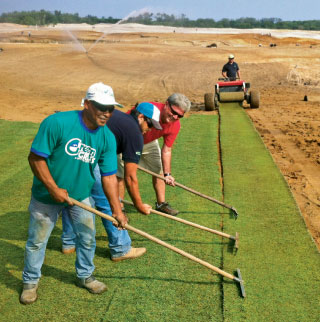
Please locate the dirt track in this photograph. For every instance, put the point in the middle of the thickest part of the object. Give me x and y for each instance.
(46, 72)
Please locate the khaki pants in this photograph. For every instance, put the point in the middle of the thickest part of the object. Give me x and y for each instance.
(150, 159)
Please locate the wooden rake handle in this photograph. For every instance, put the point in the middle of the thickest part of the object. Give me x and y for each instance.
(156, 240)
(186, 222)
(192, 191)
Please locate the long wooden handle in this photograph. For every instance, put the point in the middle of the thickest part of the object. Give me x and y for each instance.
(186, 222)
(188, 189)
(156, 240)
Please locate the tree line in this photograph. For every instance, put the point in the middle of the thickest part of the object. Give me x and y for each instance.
(43, 17)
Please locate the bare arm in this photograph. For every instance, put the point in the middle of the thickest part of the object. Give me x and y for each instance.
(238, 73)
(40, 169)
(130, 176)
(111, 190)
(166, 163)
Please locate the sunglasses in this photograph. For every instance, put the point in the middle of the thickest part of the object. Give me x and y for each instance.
(173, 112)
(149, 122)
(103, 108)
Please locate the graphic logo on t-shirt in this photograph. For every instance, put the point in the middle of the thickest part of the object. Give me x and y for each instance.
(80, 151)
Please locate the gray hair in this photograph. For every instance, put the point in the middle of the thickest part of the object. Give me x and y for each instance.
(179, 100)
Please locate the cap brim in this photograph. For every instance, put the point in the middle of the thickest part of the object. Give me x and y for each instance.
(115, 103)
(156, 124)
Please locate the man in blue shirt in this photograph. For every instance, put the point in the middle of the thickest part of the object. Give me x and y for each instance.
(63, 156)
(128, 130)
(231, 69)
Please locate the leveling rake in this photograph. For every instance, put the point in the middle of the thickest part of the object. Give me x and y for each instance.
(235, 213)
(162, 243)
(189, 223)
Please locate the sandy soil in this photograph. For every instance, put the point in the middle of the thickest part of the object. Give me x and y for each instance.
(51, 70)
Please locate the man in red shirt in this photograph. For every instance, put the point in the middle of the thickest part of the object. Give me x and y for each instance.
(159, 160)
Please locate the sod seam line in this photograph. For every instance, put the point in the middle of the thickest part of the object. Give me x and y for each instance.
(222, 217)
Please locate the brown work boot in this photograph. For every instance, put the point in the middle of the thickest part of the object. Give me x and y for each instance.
(29, 293)
(67, 251)
(93, 285)
(166, 208)
(133, 253)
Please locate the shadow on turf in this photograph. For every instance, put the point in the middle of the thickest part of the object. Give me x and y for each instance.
(217, 213)
(146, 278)
(14, 227)
(171, 241)
(131, 209)
(12, 259)
(231, 247)
(104, 251)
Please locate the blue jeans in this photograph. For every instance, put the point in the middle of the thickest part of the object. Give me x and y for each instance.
(119, 240)
(43, 218)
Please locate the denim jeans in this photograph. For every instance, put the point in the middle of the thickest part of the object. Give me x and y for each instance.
(43, 218)
(119, 240)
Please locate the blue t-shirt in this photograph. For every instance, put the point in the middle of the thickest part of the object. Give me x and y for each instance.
(72, 151)
(231, 69)
(127, 132)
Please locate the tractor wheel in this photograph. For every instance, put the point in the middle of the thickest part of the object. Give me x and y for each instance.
(254, 99)
(216, 101)
(209, 102)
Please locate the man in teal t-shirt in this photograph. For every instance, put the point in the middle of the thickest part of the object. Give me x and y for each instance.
(63, 156)
(72, 151)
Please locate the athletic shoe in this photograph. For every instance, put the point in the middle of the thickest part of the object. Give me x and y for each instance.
(93, 285)
(133, 253)
(166, 208)
(29, 293)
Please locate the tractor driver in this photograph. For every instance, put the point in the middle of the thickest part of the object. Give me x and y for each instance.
(231, 69)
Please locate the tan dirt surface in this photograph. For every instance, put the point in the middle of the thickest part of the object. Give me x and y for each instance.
(50, 71)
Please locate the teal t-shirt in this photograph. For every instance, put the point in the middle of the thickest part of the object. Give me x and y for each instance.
(72, 151)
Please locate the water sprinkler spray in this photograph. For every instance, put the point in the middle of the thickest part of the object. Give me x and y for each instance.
(134, 13)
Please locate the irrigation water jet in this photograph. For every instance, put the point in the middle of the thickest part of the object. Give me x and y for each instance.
(134, 13)
(78, 45)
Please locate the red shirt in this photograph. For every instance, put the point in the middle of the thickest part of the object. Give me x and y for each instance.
(169, 131)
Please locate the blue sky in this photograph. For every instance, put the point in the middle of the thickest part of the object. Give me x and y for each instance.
(193, 9)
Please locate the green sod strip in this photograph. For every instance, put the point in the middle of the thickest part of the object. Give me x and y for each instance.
(161, 285)
(171, 287)
(278, 260)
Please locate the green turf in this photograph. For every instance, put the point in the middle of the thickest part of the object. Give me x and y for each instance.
(277, 258)
(160, 286)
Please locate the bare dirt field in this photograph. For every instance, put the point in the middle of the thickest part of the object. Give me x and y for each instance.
(50, 70)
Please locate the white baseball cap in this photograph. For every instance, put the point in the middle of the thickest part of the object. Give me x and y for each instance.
(231, 56)
(101, 94)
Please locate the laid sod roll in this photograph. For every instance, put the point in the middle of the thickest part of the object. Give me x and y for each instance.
(231, 97)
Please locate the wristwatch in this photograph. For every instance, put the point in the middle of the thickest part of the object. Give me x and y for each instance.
(167, 174)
